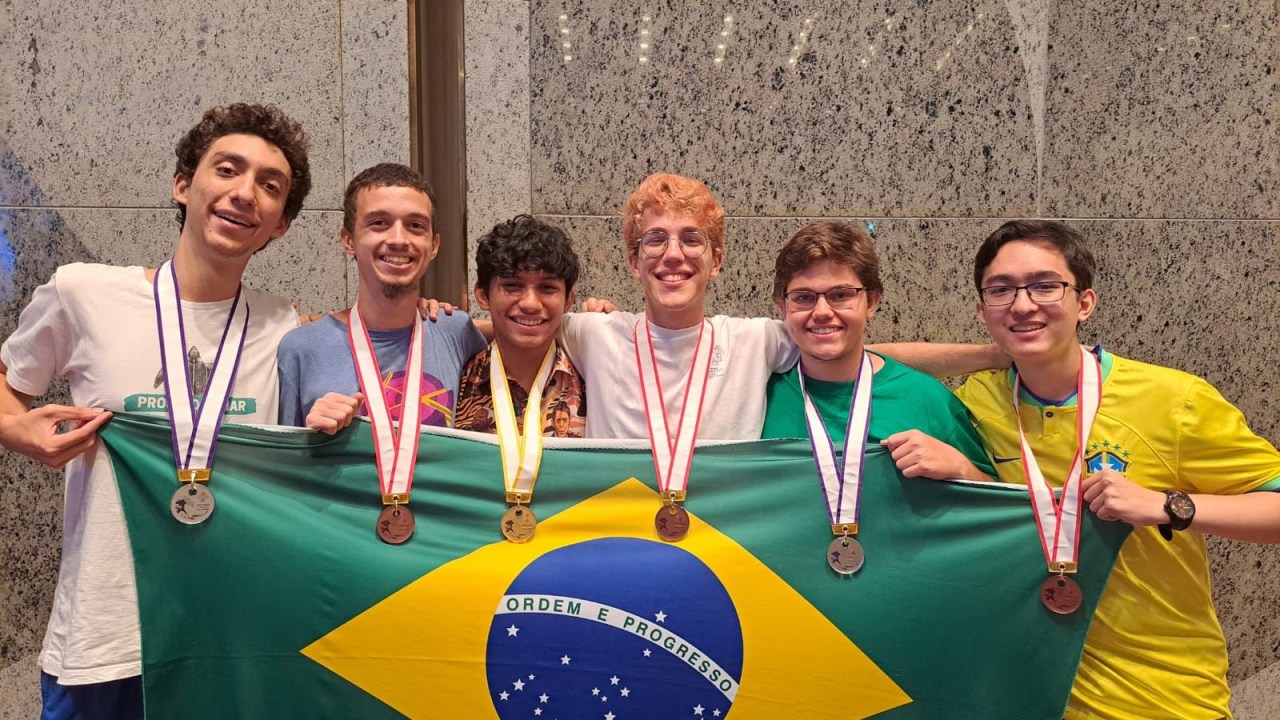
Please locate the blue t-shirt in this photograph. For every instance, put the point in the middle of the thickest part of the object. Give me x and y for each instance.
(316, 359)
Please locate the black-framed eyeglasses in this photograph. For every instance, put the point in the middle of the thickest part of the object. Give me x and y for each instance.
(1048, 291)
(655, 242)
(838, 298)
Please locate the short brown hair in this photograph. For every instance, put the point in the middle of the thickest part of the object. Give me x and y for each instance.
(1069, 243)
(673, 194)
(384, 175)
(265, 121)
(841, 243)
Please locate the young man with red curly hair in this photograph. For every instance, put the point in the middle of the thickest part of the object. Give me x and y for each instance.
(673, 230)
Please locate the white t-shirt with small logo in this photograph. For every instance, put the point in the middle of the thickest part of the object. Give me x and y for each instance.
(96, 326)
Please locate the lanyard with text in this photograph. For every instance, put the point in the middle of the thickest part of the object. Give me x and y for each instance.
(842, 477)
(673, 455)
(1059, 522)
(521, 448)
(194, 425)
(396, 449)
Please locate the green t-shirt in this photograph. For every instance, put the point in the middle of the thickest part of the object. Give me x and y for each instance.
(901, 399)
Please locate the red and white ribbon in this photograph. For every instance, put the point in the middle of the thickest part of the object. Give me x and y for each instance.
(1059, 521)
(396, 448)
(673, 453)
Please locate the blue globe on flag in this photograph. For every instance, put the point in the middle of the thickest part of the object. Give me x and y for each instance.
(615, 628)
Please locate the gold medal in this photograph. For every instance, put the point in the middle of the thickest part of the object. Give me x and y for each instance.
(519, 524)
(395, 524)
(1061, 594)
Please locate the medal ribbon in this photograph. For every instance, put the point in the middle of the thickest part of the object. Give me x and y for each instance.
(195, 431)
(673, 456)
(842, 477)
(396, 449)
(521, 452)
(1059, 521)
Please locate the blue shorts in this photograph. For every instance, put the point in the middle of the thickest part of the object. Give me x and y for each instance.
(112, 700)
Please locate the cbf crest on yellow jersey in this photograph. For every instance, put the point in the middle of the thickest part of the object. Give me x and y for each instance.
(1155, 643)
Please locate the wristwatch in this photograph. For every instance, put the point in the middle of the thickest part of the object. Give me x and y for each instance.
(1180, 509)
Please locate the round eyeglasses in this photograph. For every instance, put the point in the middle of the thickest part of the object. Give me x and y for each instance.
(692, 243)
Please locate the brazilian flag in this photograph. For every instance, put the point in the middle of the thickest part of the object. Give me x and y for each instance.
(285, 604)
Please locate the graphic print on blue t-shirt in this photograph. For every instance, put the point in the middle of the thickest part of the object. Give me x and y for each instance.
(437, 400)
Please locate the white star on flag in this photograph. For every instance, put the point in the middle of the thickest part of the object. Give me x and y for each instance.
(716, 712)
(513, 631)
(537, 711)
(503, 695)
(518, 684)
(697, 709)
(624, 692)
(544, 697)
(565, 660)
(608, 716)
(662, 617)
(646, 652)
(613, 680)
(595, 691)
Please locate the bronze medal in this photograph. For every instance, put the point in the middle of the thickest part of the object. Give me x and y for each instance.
(395, 524)
(671, 522)
(845, 555)
(519, 524)
(191, 504)
(1061, 594)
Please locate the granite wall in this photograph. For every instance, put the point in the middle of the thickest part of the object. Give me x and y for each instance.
(1149, 125)
(93, 98)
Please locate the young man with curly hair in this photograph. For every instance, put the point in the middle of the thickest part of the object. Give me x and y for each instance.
(241, 177)
(673, 233)
(525, 272)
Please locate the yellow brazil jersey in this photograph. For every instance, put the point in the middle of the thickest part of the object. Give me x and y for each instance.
(1155, 648)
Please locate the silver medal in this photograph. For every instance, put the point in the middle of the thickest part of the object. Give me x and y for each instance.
(844, 555)
(192, 504)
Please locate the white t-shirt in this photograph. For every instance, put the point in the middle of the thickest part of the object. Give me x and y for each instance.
(747, 351)
(96, 326)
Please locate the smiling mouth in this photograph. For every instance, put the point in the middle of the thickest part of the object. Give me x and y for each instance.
(824, 330)
(1030, 327)
(233, 219)
(528, 322)
(673, 277)
(398, 260)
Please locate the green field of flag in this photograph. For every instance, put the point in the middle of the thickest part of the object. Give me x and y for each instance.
(285, 604)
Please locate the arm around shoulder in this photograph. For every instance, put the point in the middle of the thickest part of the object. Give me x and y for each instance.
(945, 359)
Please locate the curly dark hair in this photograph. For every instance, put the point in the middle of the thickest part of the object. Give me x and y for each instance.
(384, 175)
(525, 243)
(267, 122)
